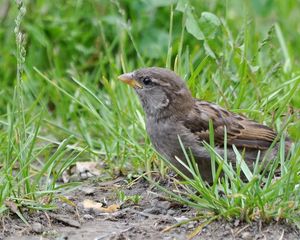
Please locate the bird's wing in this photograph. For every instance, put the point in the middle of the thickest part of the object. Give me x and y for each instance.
(241, 131)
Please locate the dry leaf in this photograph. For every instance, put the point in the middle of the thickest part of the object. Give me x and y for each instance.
(111, 209)
(90, 204)
(93, 168)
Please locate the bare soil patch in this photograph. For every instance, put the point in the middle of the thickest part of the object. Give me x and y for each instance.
(143, 220)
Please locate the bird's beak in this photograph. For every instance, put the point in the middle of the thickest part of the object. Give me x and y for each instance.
(129, 79)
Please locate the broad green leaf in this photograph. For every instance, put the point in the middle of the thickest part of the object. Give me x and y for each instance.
(209, 24)
(158, 3)
(182, 5)
(192, 26)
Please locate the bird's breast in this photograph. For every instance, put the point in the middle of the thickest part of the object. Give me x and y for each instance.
(165, 136)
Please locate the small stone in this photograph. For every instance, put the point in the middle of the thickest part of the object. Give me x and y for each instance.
(236, 222)
(168, 238)
(84, 176)
(190, 226)
(171, 212)
(181, 219)
(37, 227)
(88, 217)
(154, 210)
(246, 235)
(88, 190)
(163, 204)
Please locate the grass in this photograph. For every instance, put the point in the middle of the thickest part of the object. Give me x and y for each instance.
(60, 100)
(262, 198)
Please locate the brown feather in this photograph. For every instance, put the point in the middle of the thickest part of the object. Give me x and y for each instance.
(241, 131)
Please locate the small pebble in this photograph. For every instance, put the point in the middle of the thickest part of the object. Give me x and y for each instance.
(181, 218)
(171, 212)
(190, 226)
(236, 222)
(163, 204)
(88, 217)
(153, 210)
(88, 190)
(246, 236)
(37, 227)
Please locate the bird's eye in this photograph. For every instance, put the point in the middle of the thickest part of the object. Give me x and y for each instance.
(147, 80)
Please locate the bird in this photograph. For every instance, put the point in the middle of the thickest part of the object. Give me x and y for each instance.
(174, 118)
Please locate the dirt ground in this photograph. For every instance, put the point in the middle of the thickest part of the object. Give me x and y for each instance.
(147, 218)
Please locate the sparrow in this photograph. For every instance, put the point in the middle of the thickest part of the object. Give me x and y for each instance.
(171, 113)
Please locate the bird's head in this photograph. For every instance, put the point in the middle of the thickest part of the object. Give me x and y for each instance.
(160, 91)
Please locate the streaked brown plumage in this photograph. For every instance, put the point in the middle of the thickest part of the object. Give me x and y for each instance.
(171, 111)
(241, 131)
